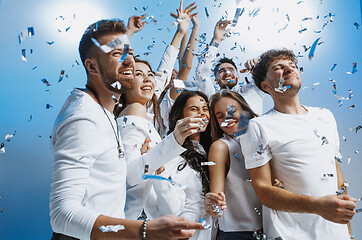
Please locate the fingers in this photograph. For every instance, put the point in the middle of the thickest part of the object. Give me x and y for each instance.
(173, 15)
(190, 10)
(194, 15)
(181, 4)
(189, 6)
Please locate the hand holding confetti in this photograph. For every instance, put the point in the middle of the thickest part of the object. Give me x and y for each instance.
(135, 25)
(215, 204)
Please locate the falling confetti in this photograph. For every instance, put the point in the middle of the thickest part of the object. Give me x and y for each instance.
(108, 47)
(210, 163)
(204, 224)
(23, 55)
(61, 75)
(334, 66)
(111, 228)
(50, 42)
(354, 69)
(125, 53)
(157, 177)
(281, 88)
(357, 25)
(207, 12)
(312, 49)
(238, 13)
(217, 209)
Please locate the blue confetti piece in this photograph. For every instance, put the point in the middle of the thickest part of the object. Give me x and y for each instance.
(157, 177)
(125, 53)
(312, 49)
(334, 66)
(206, 12)
(354, 69)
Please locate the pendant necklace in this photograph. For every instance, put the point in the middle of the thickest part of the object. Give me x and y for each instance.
(116, 134)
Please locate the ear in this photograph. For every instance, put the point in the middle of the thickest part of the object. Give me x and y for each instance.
(265, 86)
(92, 66)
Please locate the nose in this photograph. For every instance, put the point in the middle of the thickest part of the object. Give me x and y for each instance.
(129, 61)
(146, 79)
(288, 69)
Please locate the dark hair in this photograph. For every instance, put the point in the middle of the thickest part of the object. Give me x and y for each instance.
(261, 68)
(221, 61)
(154, 102)
(217, 132)
(192, 157)
(96, 30)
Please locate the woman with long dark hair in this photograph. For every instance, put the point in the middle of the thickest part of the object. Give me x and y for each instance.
(187, 170)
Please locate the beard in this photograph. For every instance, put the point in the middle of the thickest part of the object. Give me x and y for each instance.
(109, 78)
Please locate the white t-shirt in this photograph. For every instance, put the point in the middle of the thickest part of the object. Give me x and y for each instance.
(88, 177)
(301, 149)
(134, 131)
(241, 199)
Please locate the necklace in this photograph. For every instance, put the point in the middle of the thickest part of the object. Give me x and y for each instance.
(116, 134)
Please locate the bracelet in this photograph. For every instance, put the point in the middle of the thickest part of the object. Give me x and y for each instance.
(144, 226)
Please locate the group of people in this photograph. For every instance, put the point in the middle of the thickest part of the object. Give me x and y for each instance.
(136, 157)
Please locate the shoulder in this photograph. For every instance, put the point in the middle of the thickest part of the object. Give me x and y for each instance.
(219, 145)
(135, 109)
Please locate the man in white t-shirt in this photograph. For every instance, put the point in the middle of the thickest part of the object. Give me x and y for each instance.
(299, 146)
(89, 177)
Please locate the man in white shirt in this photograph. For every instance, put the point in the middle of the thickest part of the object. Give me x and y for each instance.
(299, 146)
(89, 176)
(225, 72)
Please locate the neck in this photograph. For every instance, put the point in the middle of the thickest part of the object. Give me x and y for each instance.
(289, 105)
(195, 137)
(103, 94)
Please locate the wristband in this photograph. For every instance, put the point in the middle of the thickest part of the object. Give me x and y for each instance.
(144, 226)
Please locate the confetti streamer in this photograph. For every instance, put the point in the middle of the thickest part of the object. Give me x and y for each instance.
(2, 148)
(61, 75)
(312, 49)
(157, 177)
(354, 69)
(46, 82)
(204, 224)
(108, 47)
(30, 118)
(50, 42)
(357, 25)
(111, 228)
(314, 85)
(211, 163)
(217, 209)
(334, 66)
(23, 55)
(207, 12)
(238, 13)
(116, 85)
(48, 106)
(125, 53)
(281, 88)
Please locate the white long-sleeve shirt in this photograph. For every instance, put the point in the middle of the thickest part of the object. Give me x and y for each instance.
(253, 96)
(134, 130)
(165, 69)
(88, 177)
(186, 200)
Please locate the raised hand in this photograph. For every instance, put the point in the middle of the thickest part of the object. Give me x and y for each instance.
(220, 30)
(185, 15)
(135, 24)
(249, 65)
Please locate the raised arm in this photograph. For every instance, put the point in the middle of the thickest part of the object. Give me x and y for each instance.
(187, 56)
(204, 69)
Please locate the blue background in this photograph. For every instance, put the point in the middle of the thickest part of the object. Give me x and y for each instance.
(26, 166)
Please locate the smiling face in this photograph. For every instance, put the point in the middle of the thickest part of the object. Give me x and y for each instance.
(197, 105)
(282, 68)
(227, 76)
(111, 70)
(144, 85)
(221, 108)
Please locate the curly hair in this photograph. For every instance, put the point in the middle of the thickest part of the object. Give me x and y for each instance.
(261, 68)
(192, 156)
(216, 130)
